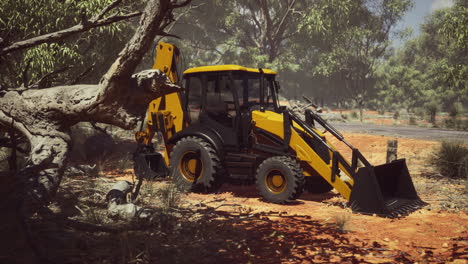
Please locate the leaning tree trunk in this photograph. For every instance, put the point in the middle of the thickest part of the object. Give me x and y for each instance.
(45, 116)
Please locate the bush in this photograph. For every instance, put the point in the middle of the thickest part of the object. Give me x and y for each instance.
(455, 110)
(453, 123)
(342, 223)
(419, 112)
(451, 159)
(431, 110)
(381, 111)
(354, 115)
(412, 121)
(396, 115)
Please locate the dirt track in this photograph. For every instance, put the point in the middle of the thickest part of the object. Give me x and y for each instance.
(321, 229)
(318, 223)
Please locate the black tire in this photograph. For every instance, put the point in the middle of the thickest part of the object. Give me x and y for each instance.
(280, 179)
(317, 185)
(195, 165)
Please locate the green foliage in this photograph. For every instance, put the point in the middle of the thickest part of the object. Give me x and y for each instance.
(454, 123)
(354, 115)
(456, 110)
(451, 159)
(24, 19)
(326, 49)
(431, 66)
(419, 112)
(431, 110)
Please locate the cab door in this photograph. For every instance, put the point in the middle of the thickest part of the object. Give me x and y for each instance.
(211, 102)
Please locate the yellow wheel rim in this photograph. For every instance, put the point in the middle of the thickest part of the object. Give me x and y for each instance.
(275, 181)
(190, 166)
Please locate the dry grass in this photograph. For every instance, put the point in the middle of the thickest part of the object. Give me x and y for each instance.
(451, 159)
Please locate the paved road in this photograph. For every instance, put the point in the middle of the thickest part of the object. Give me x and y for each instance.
(403, 131)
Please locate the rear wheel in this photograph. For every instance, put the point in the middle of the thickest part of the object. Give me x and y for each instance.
(195, 165)
(280, 179)
(317, 185)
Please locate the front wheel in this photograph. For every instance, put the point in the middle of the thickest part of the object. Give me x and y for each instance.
(280, 179)
(195, 165)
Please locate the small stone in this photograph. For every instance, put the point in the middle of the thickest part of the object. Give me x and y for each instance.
(386, 239)
(445, 245)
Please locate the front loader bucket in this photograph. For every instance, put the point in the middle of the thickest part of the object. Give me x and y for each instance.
(385, 190)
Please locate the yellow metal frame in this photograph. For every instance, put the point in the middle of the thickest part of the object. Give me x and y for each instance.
(172, 114)
(273, 123)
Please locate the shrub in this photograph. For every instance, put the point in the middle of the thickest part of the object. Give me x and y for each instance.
(419, 112)
(342, 223)
(453, 123)
(412, 121)
(381, 111)
(431, 110)
(396, 115)
(354, 115)
(455, 110)
(451, 159)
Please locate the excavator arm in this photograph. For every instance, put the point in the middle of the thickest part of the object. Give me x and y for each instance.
(165, 115)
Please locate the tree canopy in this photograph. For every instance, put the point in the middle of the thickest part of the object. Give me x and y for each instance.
(90, 53)
(327, 49)
(430, 68)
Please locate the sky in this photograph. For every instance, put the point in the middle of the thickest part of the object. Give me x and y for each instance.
(416, 15)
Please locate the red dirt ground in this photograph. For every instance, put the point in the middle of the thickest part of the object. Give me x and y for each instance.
(425, 236)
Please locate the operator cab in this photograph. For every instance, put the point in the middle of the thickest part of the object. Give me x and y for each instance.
(221, 98)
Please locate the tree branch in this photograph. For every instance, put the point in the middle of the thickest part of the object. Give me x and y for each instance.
(171, 26)
(182, 4)
(280, 29)
(24, 74)
(40, 84)
(65, 33)
(107, 9)
(84, 73)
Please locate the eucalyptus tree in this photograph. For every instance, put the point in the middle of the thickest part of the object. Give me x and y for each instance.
(430, 69)
(325, 48)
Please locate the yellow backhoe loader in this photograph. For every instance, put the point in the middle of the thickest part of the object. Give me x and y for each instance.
(227, 124)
